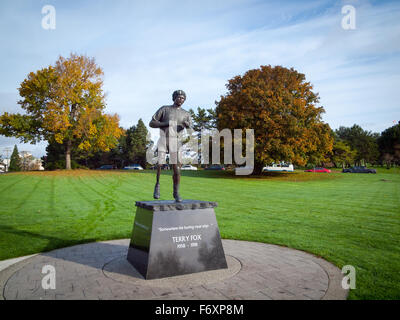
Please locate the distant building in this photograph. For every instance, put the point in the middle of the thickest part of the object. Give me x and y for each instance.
(29, 162)
(4, 165)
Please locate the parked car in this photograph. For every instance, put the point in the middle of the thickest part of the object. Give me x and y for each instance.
(106, 167)
(133, 167)
(318, 169)
(163, 167)
(360, 169)
(278, 167)
(188, 167)
(215, 167)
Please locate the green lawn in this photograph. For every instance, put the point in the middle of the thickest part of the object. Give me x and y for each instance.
(348, 219)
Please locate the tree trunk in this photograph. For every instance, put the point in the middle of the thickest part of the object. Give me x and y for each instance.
(68, 156)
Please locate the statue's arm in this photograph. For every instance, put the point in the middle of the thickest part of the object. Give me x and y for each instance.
(156, 120)
(188, 122)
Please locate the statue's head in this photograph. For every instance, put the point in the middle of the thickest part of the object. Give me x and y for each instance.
(178, 93)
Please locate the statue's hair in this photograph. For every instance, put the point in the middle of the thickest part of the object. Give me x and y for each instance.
(177, 93)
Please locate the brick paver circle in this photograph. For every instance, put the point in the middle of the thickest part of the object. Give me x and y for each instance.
(100, 271)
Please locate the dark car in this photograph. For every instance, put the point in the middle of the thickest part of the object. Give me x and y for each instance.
(360, 169)
(106, 167)
(215, 167)
(163, 167)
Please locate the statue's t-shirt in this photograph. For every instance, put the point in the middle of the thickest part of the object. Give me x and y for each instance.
(162, 118)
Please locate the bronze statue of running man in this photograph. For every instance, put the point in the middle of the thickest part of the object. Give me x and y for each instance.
(171, 120)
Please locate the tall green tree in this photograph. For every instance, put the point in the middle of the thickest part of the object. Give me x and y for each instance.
(15, 160)
(64, 103)
(362, 141)
(342, 154)
(389, 145)
(134, 144)
(281, 107)
(203, 121)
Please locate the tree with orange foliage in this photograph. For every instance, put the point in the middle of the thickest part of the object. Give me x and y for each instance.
(281, 108)
(64, 103)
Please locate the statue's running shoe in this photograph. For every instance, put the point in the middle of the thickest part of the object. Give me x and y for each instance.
(156, 194)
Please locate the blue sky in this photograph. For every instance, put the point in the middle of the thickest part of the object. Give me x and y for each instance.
(148, 49)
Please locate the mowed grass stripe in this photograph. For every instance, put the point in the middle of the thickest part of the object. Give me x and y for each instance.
(112, 197)
(16, 205)
(6, 185)
(104, 210)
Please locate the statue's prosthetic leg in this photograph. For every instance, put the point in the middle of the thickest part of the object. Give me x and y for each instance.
(176, 178)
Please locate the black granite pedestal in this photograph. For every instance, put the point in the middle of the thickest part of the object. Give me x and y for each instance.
(170, 238)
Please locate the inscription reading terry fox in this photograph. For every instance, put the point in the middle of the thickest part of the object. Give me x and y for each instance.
(192, 237)
(181, 240)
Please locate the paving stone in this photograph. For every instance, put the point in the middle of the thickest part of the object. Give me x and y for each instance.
(165, 291)
(280, 294)
(258, 295)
